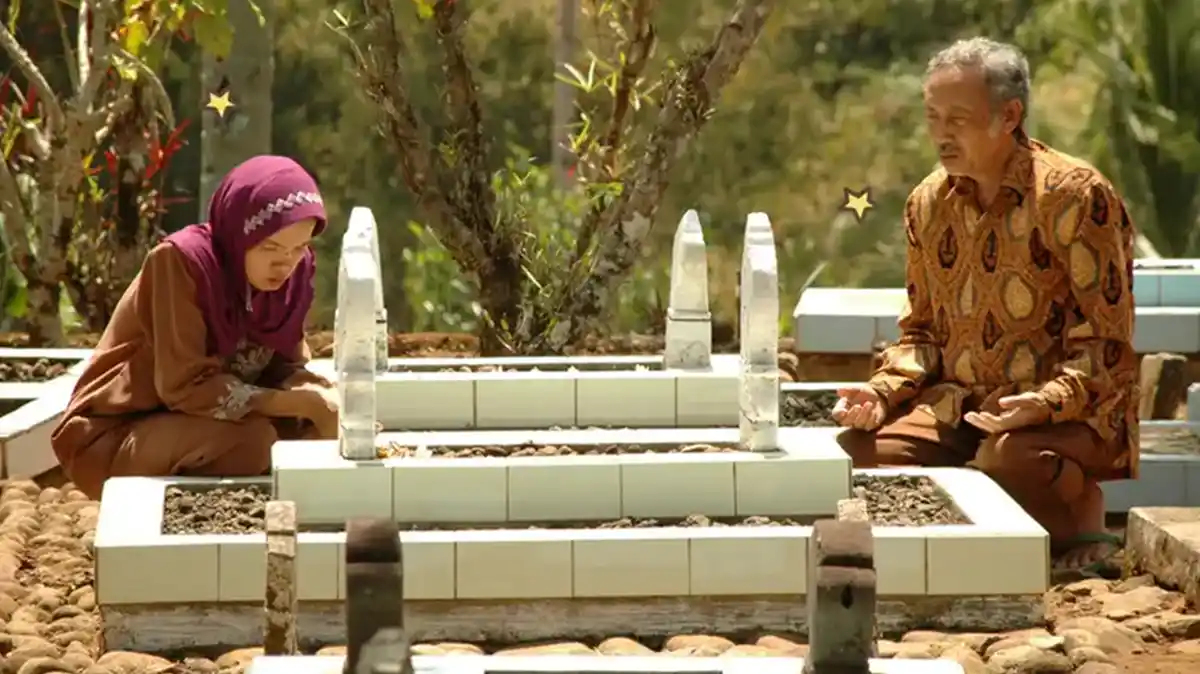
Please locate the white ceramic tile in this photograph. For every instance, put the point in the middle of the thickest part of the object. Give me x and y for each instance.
(318, 557)
(526, 564)
(326, 488)
(131, 510)
(808, 477)
(564, 488)
(166, 570)
(708, 398)
(1192, 487)
(749, 560)
(524, 399)
(1147, 290)
(1169, 329)
(1193, 402)
(978, 561)
(677, 485)
(1162, 482)
(449, 490)
(418, 401)
(29, 454)
(430, 560)
(834, 334)
(900, 561)
(632, 563)
(331, 664)
(242, 568)
(1178, 288)
(631, 398)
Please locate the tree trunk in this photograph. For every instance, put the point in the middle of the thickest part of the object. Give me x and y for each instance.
(248, 75)
(500, 300)
(42, 319)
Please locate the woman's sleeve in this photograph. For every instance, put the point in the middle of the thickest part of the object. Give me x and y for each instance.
(186, 378)
(288, 370)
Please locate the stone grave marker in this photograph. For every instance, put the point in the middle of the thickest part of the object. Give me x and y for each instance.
(362, 229)
(759, 333)
(355, 355)
(689, 322)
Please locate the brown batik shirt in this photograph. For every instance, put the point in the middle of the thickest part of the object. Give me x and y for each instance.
(1035, 294)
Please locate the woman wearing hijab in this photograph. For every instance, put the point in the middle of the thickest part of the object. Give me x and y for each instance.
(202, 369)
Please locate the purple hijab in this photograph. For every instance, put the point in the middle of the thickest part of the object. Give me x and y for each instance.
(255, 200)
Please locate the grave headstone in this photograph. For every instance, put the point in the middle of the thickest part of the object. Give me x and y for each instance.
(759, 333)
(375, 639)
(356, 354)
(689, 322)
(282, 601)
(841, 596)
(362, 228)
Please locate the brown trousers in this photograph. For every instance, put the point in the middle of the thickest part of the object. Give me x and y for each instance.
(171, 443)
(1046, 469)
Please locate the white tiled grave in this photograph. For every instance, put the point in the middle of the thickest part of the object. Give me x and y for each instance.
(852, 320)
(522, 584)
(575, 664)
(631, 391)
(1169, 473)
(25, 432)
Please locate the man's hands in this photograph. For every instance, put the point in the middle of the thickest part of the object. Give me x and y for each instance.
(859, 406)
(1019, 411)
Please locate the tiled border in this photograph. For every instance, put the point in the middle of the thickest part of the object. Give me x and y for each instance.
(496, 400)
(851, 320)
(25, 353)
(330, 489)
(25, 432)
(560, 664)
(137, 564)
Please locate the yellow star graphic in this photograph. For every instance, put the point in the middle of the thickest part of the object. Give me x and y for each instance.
(857, 202)
(219, 103)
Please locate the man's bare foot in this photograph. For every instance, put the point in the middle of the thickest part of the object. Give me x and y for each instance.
(1091, 552)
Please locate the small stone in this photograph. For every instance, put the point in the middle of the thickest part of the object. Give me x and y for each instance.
(339, 651)
(1087, 588)
(1136, 602)
(717, 645)
(1097, 668)
(1029, 660)
(623, 646)
(560, 648)
(238, 659)
(1189, 647)
(967, 658)
(1084, 654)
(782, 646)
(1134, 582)
(749, 650)
(1111, 637)
(1166, 625)
(127, 662)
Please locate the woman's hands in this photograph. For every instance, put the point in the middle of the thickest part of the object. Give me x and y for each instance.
(321, 406)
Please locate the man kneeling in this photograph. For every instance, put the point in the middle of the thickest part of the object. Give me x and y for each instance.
(1016, 354)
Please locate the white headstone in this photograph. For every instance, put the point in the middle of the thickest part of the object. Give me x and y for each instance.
(689, 323)
(355, 354)
(759, 335)
(363, 230)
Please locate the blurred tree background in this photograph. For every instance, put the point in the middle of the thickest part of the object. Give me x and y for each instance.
(829, 98)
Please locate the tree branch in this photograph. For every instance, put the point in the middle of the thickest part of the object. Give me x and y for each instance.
(477, 203)
(379, 66)
(66, 42)
(636, 48)
(99, 49)
(29, 69)
(16, 221)
(687, 104)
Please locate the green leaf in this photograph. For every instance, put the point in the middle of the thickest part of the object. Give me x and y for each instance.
(424, 8)
(213, 34)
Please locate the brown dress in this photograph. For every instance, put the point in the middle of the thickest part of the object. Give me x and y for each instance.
(153, 402)
(1033, 295)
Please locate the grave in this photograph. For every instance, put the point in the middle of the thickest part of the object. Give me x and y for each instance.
(1166, 543)
(687, 386)
(526, 534)
(840, 609)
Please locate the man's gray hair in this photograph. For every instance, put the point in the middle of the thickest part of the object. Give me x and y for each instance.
(1005, 69)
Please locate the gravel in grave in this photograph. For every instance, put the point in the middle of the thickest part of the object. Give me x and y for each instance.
(395, 450)
(891, 501)
(32, 370)
(807, 408)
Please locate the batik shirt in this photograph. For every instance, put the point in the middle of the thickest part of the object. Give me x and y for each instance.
(1033, 295)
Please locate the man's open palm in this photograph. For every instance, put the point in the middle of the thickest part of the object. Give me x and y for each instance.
(859, 406)
(1019, 411)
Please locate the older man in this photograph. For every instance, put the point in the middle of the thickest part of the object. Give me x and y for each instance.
(1016, 354)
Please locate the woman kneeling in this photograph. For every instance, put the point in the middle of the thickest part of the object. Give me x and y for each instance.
(202, 367)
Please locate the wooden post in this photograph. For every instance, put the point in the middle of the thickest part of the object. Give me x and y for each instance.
(1163, 383)
(282, 600)
(376, 642)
